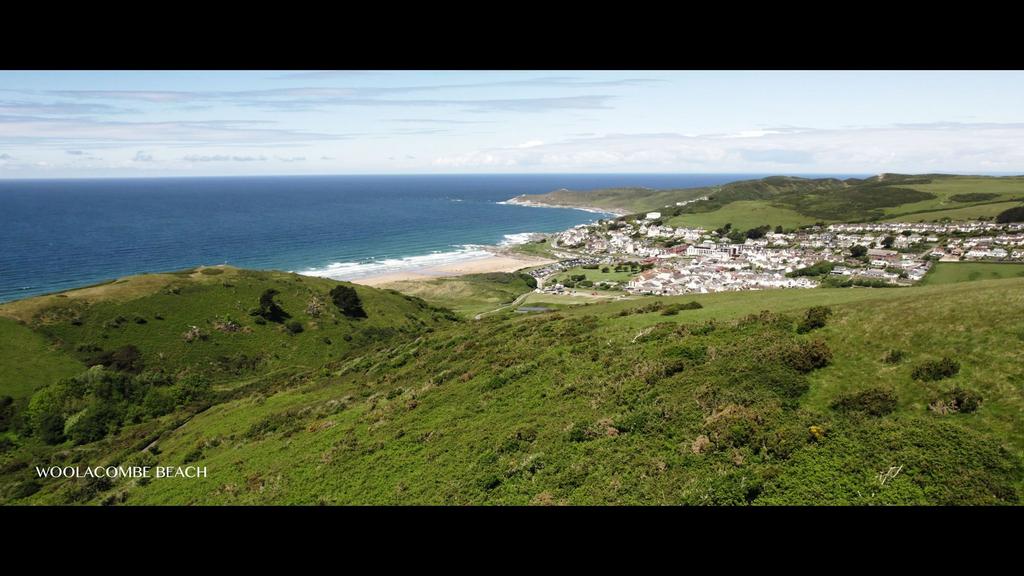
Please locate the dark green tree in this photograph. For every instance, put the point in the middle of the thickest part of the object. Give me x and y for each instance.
(347, 300)
(858, 251)
(269, 309)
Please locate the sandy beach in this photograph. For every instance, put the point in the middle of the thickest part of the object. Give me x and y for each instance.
(495, 263)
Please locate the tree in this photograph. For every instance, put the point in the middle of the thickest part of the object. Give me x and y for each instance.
(888, 241)
(858, 251)
(778, 229)
(347, 300)
(269, 309)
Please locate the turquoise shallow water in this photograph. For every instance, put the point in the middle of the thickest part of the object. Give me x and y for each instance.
(59, 234)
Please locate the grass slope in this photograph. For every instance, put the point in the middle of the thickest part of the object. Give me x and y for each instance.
(607, 404)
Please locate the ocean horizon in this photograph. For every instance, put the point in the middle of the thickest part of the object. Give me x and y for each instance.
(61, 234)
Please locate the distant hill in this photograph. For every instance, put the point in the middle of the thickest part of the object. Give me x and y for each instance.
(792, 201)
(629, 402)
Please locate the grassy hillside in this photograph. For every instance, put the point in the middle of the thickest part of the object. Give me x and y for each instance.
(28, 361)
(791, 201)
(745, 400)
(157, 313)
(744, 215)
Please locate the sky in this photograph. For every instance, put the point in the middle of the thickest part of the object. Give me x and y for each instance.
(72, 124)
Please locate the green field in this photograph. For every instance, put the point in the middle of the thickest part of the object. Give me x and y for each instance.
(953, 272)
(467, 295)
(744, 215)
(594, 275)
(967, 213)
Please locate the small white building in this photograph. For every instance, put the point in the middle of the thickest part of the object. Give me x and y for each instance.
(652, 216)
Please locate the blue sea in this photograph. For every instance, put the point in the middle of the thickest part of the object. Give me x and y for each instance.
(61, 234)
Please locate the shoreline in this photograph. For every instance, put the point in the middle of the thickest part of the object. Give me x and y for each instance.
(498, 261)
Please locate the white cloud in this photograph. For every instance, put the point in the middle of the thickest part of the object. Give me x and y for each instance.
(909, 147)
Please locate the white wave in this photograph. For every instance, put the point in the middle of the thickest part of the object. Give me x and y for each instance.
(355, 270)
(531, 204)
(520, 238)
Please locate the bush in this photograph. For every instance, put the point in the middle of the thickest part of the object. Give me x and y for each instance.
(808, 356)
(956, 400)
(894, 356)
(294, 326)
(874, 401)
(347, 300)
(936, 370)
(858, 251)
(192, 388)
(815, 318)
(124, 359)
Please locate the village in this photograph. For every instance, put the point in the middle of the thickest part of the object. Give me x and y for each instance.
(671, 260)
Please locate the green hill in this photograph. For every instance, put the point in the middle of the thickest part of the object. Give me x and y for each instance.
(891, 396)
(792, 201)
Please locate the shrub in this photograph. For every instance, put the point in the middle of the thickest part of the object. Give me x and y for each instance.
(191, 388)
(874, 401)
(936, 369)
(956, 400)
(816, 317)
(294, 327)
(124, 359)
(894, 356)
(347, 300)
(808, 356)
